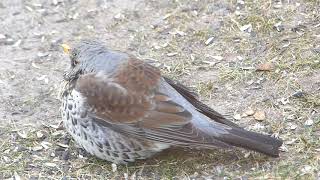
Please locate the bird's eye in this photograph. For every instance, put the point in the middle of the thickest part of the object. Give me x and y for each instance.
(74, 60)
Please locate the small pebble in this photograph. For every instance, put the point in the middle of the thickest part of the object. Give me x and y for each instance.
(2, 36)
(55, 2)
(39, 134)
(114, 167)
(308, 122)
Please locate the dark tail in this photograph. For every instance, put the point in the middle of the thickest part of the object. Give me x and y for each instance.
(251, 140)
(222, 132)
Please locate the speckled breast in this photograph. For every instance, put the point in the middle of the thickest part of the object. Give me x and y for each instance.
(99, 140)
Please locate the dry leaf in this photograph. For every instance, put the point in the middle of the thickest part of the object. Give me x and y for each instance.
(265, 67)
(249, 112)
(259, 116)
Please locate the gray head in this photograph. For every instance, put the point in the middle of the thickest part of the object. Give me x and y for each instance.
(90, 56)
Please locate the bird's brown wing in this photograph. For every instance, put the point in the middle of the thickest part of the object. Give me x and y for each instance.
(130, 97)
(201, 107)
(128, 102)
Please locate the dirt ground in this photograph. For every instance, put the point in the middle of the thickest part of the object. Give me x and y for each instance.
(258, 62)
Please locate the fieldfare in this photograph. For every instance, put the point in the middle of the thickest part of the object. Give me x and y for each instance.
(120, 109)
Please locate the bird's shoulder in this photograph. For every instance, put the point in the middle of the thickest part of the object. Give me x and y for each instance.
(137, 76)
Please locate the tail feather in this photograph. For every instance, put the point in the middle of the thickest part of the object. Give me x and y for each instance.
(251, 140)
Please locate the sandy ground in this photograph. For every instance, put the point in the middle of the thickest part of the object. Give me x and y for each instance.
(215, 47)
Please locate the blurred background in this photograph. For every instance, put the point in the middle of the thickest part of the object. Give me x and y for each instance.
(256, 61)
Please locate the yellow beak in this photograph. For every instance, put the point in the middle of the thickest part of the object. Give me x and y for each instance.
(66, 48)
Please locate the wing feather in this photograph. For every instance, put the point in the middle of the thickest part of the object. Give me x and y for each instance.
(201, 107)
(129, 103)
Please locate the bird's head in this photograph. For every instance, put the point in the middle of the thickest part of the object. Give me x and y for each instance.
(83, 58)
(73, 54)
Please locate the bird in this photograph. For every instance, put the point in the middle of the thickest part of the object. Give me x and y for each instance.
(120, 108)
